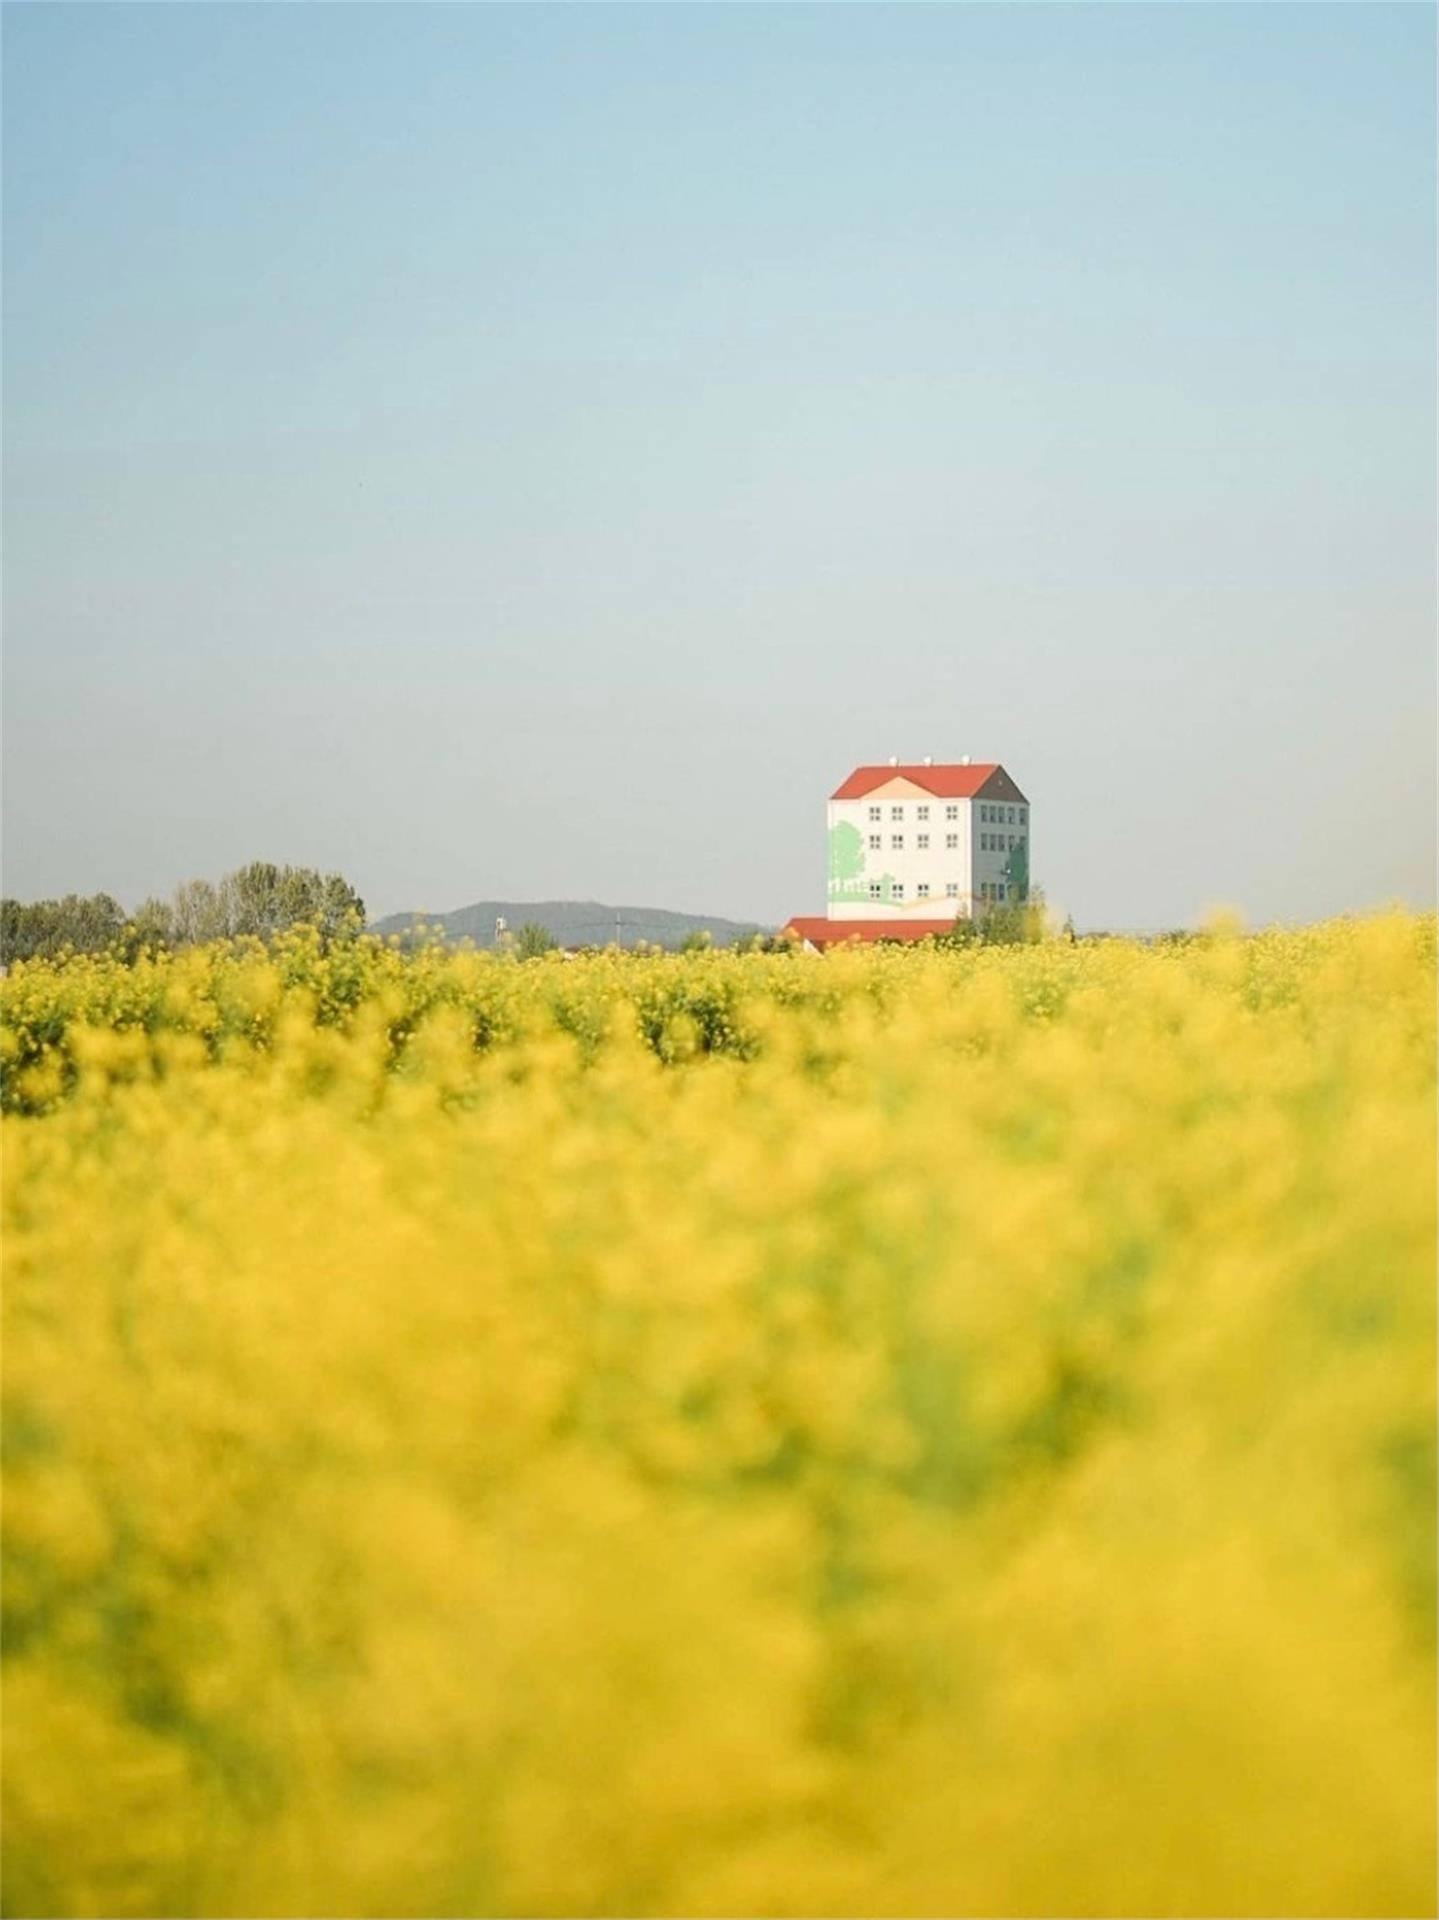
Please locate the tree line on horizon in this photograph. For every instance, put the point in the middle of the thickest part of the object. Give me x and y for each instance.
(263, 899)
(259, 899)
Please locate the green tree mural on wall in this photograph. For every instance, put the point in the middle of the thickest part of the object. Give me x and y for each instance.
(1016, 869)
(846, 862)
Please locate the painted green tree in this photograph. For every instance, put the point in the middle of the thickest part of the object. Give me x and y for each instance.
(846, 860)
(1016, 868)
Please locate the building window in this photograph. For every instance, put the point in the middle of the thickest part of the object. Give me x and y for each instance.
(951, 839)
(922, 842)
(874, 889)
(876, 813)
(896, 890)
(1023, 815)
(874, 840)
(896, 813)
(1011, 843)
(951, 889)
(951, 813)
(896, 840)
(1011, 816)
(922, 813)
(999, 890)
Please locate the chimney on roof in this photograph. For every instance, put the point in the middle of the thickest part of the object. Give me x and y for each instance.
(964, 759)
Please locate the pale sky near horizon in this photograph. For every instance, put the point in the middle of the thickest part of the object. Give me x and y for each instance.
(536, 451)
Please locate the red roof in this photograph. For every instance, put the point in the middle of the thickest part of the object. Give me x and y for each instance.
(946, 783)
(833, 933)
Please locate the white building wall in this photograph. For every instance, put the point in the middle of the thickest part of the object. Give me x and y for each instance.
(907, 814)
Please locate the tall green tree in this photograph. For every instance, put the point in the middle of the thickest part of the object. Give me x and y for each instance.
(197, 913)
(265, 899)
(532, 940)
(41, 929)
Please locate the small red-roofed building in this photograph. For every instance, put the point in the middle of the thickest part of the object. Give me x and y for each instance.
(812, 930)
(913, 848)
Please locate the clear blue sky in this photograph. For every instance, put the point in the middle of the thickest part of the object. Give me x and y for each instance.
(535, 451)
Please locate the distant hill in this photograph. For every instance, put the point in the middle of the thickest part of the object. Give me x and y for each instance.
(573, 923)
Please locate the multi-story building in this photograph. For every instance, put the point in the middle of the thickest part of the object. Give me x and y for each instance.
(913, 848)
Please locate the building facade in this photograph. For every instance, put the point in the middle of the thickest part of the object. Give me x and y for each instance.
(912, 848)
(926, 842)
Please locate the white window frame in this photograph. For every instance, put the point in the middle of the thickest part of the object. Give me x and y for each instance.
(922, 842)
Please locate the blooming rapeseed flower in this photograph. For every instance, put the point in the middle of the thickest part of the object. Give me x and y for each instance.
(904, 1432)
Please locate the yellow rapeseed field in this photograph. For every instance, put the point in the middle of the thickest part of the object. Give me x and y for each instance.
(898, 1433)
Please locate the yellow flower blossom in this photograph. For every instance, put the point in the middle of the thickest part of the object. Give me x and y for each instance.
(902, 1432)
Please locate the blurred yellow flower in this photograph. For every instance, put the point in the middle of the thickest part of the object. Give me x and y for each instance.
(906, 1432)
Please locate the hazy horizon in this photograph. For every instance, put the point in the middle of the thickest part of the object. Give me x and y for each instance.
(512, 452)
